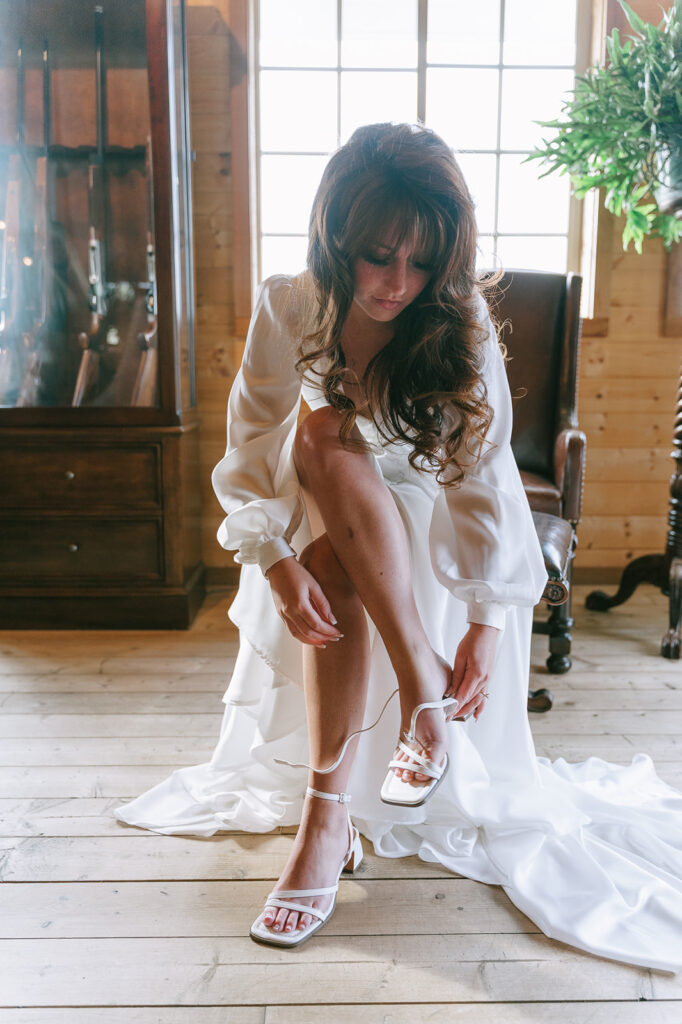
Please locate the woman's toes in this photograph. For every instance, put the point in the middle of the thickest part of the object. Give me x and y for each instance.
(292, 920)
(269, 916)
(280, 920)
(305, 921)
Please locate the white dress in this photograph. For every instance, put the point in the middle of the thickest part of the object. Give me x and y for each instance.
(591, 852)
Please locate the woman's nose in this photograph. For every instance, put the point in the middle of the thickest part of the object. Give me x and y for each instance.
(397, 278)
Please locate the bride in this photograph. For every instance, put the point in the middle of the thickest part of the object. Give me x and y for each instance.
(388, 549)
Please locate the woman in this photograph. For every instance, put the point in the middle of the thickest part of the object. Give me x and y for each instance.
(387, 546)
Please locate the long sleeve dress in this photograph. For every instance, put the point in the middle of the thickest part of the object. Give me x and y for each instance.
(591, 852)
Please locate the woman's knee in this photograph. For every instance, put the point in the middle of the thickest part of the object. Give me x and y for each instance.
(321, 562)
(318, 430)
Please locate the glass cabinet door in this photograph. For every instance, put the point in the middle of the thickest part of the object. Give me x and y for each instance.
(78, 303)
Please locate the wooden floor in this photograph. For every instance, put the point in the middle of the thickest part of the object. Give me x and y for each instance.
(107, 924)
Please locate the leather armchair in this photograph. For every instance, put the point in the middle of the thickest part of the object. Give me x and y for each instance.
(539, 314)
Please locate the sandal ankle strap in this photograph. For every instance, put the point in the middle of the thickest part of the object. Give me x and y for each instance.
(342, 798)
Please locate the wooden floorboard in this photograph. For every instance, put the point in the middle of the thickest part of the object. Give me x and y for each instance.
(103, 924)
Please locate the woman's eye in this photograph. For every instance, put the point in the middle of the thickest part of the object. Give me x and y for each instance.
(418, 265)
(376, 261)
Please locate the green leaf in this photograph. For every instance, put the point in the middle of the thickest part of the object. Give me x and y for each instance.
(636, 23)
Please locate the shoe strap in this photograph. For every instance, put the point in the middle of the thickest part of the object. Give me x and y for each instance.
(414, 767)
(446, 702)
(300, 907)
(325, 771)
(286, 893)
(342, 798)
(415, 755)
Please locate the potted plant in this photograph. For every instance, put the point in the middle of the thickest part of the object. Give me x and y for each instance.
(622, 131)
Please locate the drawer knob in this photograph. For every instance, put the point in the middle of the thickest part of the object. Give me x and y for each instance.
(73, 547)
(70, 475)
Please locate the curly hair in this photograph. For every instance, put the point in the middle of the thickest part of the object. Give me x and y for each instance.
(424, 387)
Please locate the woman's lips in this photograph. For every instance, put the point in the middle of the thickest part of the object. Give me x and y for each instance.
(389, 304)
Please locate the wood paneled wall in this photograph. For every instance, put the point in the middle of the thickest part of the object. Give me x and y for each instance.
(211, 58)
(628, 387)
(628, 370)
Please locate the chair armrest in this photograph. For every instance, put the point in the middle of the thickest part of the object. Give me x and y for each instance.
(569, 470)
(558, 542)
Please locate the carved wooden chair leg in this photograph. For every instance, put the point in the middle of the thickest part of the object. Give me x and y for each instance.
(670, 647)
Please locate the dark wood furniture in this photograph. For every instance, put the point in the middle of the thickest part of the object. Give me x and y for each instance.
(99, 507)
(542, 339)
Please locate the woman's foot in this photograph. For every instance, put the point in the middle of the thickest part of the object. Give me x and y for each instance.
(430, 729)
(320, 846)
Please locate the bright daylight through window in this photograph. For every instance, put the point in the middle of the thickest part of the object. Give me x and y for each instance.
(477, 73)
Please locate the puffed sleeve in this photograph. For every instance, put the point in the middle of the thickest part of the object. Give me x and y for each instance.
(256, 481)
(483, 543)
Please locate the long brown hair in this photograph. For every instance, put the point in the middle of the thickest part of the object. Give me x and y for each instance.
(402, 181)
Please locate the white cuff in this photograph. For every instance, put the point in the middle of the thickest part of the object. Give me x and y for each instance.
(489, 613)
(273, 551)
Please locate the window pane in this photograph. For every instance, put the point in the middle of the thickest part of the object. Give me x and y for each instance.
(298, 110)
(528, 204)
(463, 33)
(282, 255)
(288, 185)
(537, 33)
(534, 253)
(479, 172)
(298, 33)
(450, 112)
(368, 97)
(380, 34)
(529, 96)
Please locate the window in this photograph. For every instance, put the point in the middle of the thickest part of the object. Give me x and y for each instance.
(479, 72)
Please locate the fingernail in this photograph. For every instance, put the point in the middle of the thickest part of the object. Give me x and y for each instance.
(332, 620)
(322, 647)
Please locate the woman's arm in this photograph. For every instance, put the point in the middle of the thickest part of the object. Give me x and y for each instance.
(255, 481)
(484, 547)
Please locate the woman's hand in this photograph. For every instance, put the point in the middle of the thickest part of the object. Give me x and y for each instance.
(300, 602)
(471, 673)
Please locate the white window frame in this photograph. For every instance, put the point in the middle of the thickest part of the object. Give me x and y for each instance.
(584, 31)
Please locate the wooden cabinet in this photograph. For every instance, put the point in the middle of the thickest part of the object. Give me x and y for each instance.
(99, 489)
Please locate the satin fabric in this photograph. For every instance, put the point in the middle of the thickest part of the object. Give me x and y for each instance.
(591, 852)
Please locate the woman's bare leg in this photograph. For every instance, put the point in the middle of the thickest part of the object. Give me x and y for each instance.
(335, 681)
(362, 560)
(368, 538)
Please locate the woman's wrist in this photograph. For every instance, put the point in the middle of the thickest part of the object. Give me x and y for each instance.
(279, 562)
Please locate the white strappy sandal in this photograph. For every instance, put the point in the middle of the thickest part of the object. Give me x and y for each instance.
(260, 932)
(413, 794)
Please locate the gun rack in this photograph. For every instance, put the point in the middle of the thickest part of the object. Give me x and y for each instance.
(98, 427)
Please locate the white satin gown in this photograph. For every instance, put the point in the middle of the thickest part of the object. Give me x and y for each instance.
(591, 852)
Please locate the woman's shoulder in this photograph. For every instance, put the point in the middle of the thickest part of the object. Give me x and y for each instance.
(290, 299)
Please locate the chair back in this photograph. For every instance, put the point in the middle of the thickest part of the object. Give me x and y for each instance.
(542, 342)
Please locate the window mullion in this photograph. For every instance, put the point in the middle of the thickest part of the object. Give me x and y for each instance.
(498, 140)
(339, 30)
(422, 23)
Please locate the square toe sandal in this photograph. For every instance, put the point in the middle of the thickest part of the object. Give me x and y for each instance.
(413, 794)
(285, 898)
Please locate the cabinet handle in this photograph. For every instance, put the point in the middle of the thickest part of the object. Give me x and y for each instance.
(73, 547)
(70, 475)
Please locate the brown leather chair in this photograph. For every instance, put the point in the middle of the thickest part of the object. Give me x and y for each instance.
(542, 339)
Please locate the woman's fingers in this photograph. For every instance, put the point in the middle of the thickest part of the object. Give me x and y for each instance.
(321, 604)
(310, 620)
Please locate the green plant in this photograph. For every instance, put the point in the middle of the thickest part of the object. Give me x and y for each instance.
(622, 131)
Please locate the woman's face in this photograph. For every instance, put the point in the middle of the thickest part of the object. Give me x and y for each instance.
(385, 283)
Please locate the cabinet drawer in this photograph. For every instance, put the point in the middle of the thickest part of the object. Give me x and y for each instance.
(77, 548)
(91, 476)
